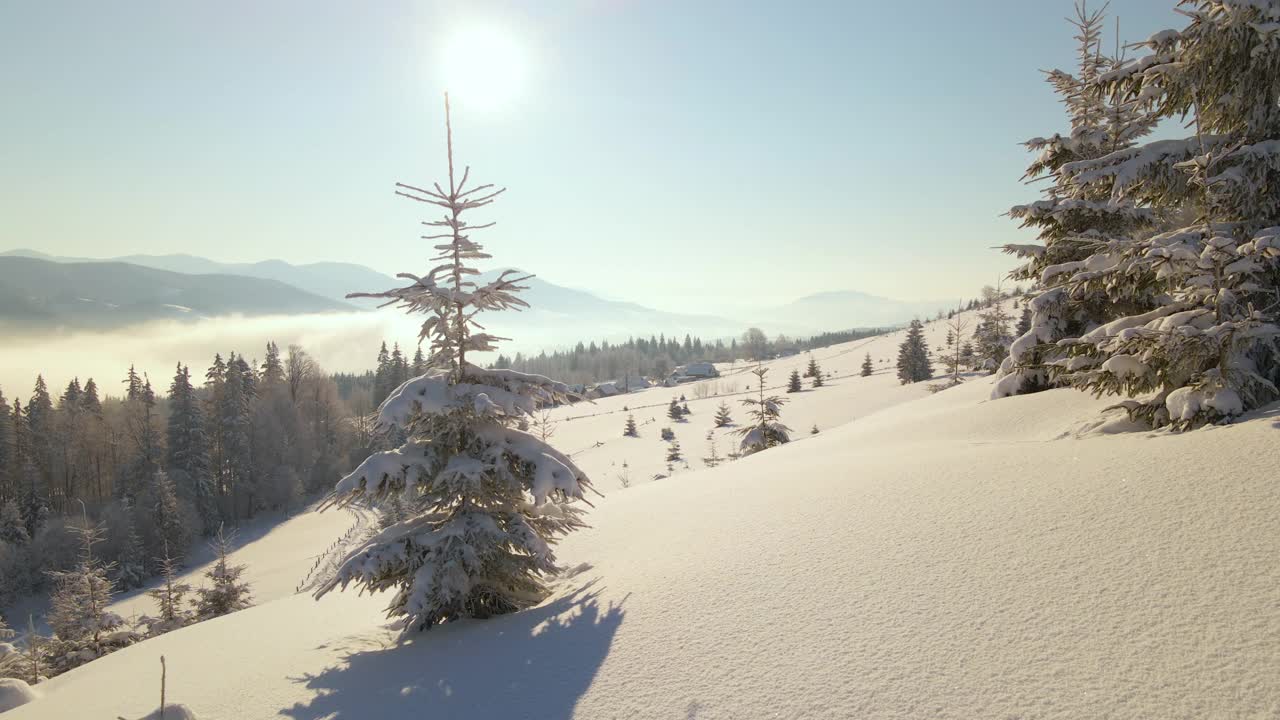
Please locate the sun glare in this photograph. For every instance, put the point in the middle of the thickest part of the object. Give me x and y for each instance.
(483, 66)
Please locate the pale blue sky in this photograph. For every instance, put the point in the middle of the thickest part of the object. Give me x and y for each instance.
(670, 153)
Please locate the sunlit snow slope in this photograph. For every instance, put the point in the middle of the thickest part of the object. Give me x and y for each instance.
(939, 556)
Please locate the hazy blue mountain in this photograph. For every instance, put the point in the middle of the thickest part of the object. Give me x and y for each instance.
(37, 293)
(326, 279)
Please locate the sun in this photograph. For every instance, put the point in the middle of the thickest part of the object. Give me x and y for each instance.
(483, 66)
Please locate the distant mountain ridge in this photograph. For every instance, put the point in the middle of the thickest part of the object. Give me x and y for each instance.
(42, 294)
(575, 314)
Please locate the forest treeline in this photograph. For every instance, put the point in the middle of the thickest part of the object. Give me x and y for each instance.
(160, 466)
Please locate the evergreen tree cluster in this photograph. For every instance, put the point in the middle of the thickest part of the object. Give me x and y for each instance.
(1159, 261)
(160, 469)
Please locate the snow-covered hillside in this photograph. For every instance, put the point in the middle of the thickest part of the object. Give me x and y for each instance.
(925, 555)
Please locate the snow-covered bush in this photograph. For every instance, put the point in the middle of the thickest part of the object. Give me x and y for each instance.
(485, 500)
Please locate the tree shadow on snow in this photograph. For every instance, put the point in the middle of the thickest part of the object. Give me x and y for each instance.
(536, 663)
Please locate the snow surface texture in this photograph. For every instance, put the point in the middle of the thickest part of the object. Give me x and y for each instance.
(171, 712)
(940, 556)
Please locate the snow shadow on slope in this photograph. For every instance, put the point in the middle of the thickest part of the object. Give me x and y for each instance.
(535, 663)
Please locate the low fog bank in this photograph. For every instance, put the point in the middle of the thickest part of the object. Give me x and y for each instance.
(340, 342)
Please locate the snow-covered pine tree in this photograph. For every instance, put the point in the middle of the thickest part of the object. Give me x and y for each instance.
(226, 592)
(867, 367)
(766, 429)
(84, 629)
(713, 455)
(793, 383)
(812, 370)
(487, 501)
(991, 337)
(131, 570)
(674, 412)
(723, 416)
(171, 614)
(1080, 277)
(160, 501)
(630, 429)
(913, 356)
(673, 452)
(188, 451)
(1202, 346)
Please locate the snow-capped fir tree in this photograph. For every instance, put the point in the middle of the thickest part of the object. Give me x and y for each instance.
(188, 451)
(673, 452)
(171, 614)
(991, 337)
(84, 629)
(487, 501)
(1024, 322)
(867, 367)
(419, 365)
(913, 356)
(723, 416)
(812, 370)
(160, 502)
(1202, 346)
(226, 592)
(793, 383)
(131, 571)
(674, 412)
(630, 429)
(766, 429)
(33, 660)
(1082, 230)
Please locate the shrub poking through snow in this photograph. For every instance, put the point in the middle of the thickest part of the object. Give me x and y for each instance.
(766, 429)
(485, 501)
(668, 434)
(630, 429)
(673, 452)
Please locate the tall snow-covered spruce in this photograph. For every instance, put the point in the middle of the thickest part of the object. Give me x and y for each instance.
(485, 501)
(1192, 334)
(1080, 281)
